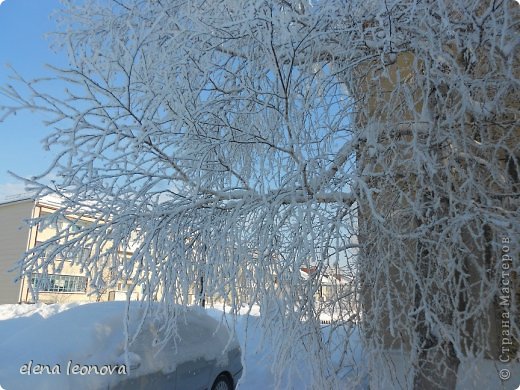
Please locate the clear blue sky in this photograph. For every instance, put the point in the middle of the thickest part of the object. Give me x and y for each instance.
(23, 24)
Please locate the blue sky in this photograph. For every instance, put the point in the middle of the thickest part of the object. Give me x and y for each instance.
(23, 24)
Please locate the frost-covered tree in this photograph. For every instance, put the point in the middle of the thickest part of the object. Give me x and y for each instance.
(235, 142)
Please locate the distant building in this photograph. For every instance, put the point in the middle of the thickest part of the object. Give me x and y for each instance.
(331, 284)
(68, 285)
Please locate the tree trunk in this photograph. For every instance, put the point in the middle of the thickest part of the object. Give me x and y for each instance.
(437, 363)
(437, 368)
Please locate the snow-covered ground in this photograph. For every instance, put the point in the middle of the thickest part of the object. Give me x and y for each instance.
(92, 333)
(65, 334)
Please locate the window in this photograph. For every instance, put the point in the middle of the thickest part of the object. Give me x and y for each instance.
(124, 286)
(74, 224)
(83, 255)
(49, 250)
(59, 283)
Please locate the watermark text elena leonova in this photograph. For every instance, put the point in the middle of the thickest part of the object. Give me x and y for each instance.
(72, 368)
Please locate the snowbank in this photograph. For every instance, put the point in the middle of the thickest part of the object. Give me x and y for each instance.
(50, 347)
(55, 346)
(65, 346)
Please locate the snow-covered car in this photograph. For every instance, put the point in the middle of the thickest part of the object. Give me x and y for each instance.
(201, 355)
(84, 347)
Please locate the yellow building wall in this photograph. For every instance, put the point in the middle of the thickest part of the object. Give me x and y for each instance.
(16, 239)
(13, 243)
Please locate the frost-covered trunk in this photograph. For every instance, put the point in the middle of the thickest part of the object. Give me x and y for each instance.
(437, 362)
(437, 369)
(433, 159)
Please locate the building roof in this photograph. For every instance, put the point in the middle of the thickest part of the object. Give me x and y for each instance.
(46, 200)
(18, 198)
(326, 277)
